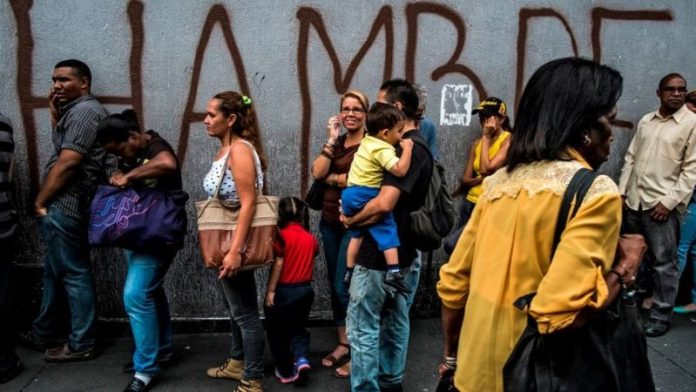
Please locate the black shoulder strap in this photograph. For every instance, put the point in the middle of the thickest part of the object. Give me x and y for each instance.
(579, 184)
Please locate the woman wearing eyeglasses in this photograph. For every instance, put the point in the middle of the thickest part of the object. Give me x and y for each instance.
(331, 167)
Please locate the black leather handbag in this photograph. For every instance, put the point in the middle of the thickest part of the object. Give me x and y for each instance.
(608, 353)
(315, 195)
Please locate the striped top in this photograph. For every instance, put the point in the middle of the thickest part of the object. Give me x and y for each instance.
(8, 213)
(77, 131)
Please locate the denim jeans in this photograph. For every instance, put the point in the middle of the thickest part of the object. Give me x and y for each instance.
(148, 309)
(335, 242)
(661, 238)
(286, 322)
(686, 251)
(67, 276)
(247, 331)
(378, 328)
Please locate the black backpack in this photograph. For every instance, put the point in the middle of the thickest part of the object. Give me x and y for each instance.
(435, 218)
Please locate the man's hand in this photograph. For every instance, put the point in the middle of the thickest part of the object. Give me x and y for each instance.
(346, 220)
(53, 106)
(659, 212)
(40, 210)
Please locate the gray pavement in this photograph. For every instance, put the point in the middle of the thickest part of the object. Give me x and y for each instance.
(673, 359)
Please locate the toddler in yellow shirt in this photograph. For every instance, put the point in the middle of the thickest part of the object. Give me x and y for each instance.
(377, 154)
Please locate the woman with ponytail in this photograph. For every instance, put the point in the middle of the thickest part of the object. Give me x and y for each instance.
(241, 163)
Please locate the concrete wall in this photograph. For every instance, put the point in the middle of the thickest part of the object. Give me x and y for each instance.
(295, 58)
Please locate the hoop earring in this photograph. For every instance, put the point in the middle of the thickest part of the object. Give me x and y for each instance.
(586, 141)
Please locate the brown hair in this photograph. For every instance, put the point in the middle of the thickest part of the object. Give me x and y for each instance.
(247, 125)
(359, 95)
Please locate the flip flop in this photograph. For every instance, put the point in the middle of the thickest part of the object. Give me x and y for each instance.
(345, 369)
(337, 361)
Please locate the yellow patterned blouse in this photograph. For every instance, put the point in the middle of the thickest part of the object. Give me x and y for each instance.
(504, 253)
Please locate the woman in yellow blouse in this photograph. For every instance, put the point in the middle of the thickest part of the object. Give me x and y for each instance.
(563, 124)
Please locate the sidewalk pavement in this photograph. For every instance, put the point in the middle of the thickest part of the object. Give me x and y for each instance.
(673, 359)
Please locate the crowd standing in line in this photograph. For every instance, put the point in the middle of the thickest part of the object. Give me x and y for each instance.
(516, 179)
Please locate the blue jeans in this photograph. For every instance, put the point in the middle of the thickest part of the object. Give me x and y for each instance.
(686, 250)
(286, 322)
(67, 276)
(335, 242)
(247, 331)
(378, 328)
(148, 309)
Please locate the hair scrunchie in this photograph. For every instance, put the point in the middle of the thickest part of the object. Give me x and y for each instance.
(246, 100)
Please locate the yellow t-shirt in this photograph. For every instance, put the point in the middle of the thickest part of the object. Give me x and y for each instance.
(475, 191)
(373, 157)
(505, 252)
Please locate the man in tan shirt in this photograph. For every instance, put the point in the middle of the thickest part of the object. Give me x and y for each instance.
(657, 179)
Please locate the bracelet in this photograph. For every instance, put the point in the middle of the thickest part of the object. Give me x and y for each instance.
(326, 154)
(619, 276)
(330, 146)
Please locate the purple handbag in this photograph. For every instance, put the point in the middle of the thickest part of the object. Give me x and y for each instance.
(138, 218)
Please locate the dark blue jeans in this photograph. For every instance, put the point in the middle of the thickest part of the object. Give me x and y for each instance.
(67, 275)
(148, 309)
(247, 330)
(285, 324)
(335, 243)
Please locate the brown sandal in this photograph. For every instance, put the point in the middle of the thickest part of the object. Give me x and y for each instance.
(343, 371)
(337, 361)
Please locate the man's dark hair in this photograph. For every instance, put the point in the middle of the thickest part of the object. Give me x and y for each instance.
(117, 127)
(382, 116)
(400, 90)
(81, 69)
(561, 100)
(665, 79)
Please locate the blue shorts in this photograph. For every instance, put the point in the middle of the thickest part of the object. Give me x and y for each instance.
(353, 199)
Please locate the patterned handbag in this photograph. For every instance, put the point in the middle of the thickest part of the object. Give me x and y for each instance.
(139, 218)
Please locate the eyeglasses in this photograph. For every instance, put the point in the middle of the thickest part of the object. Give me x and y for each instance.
(673, 90)
(352, 110)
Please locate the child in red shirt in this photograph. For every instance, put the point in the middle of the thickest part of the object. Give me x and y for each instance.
(290, 294)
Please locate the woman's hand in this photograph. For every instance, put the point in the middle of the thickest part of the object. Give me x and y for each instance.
(490, 124)
(231, 264)
(119, 179)
(630, 251)
(333, 128)
(270, 299)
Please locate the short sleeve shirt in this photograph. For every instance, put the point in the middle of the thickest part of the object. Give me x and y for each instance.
(413, 187)
(373, 159)
(77, 130)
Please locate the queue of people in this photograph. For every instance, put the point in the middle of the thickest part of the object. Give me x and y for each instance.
(374, 175)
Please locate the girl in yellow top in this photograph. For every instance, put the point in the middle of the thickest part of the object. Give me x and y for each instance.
(563, 124)
(487, 154)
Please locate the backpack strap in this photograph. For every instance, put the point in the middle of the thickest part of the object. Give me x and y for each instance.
(419, 140)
